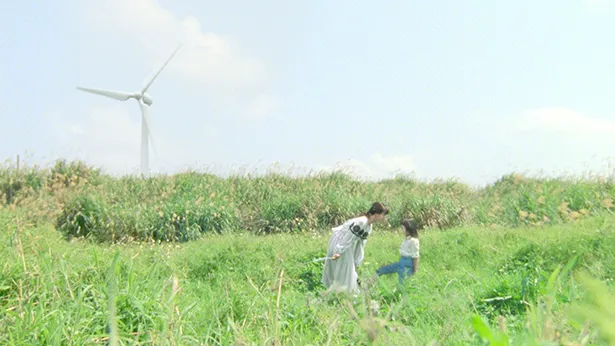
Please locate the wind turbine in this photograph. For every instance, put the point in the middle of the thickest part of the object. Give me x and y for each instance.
(145, 101)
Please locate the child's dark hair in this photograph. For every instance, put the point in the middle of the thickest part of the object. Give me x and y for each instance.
(411, 228)
(376, 209)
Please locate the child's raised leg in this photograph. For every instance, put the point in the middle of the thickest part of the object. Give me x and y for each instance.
(389, 269)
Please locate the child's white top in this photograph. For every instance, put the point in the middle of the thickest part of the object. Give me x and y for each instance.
(410, 247)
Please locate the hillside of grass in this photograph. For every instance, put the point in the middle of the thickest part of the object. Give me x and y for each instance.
(82, 202)
(519, 286)
(195, 259)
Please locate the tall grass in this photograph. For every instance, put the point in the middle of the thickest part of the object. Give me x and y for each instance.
(511, 286)
(530, 260)
(82, 202)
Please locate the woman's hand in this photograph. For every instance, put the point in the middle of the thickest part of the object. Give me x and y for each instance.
(336, 256)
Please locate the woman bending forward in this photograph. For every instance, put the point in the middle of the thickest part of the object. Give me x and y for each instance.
(345, 251)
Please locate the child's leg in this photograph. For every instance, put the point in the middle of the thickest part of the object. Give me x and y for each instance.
(389, 269)
(405, 266)
(409, 271)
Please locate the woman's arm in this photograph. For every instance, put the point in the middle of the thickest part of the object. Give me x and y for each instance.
(346, 239)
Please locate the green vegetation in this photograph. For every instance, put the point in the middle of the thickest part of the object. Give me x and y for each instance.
(184, 260)
(84, 203)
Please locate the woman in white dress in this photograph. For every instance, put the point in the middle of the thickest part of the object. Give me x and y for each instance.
(345, 251)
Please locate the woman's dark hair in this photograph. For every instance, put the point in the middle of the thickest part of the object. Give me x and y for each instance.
(411, 228)
(376, 209)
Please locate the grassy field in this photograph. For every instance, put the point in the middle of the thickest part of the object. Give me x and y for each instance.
(194, 259)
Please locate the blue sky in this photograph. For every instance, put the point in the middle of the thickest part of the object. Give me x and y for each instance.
(439, 89)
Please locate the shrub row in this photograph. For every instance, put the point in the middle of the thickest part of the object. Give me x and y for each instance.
(183, 206)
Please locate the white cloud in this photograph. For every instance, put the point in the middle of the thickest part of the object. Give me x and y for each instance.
(108, 138)
(105, 138)
(206, 58)
(263, 105)
(597, 2)
(375, 167)
(76, 129)
(393, 164)
(564, 121)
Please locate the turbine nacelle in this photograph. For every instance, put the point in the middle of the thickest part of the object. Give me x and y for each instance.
(147, 99)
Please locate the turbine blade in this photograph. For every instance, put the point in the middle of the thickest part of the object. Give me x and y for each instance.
(149, 82)
(147, 121)
(117, 95)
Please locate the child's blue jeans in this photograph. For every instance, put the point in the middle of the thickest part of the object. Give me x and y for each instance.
(403, 268)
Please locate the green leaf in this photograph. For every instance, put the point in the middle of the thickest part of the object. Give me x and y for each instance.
(499, 339)
(482, 328)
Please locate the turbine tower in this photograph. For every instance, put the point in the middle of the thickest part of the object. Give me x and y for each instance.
(145, 101)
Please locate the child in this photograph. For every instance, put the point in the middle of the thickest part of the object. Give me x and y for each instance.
(409, 252)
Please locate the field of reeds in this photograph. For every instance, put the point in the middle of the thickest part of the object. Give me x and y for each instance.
(81, 202)
(196, 259)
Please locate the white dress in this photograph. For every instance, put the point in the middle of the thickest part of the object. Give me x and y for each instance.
(348, 240)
